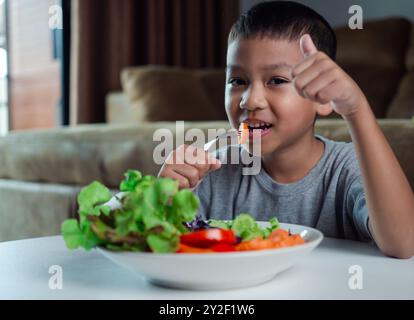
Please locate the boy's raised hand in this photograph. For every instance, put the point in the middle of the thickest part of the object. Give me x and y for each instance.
(318, 78)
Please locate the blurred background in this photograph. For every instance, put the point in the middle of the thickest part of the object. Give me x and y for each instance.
(61, 59)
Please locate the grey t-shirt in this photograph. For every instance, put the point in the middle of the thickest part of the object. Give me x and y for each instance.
(330, 198)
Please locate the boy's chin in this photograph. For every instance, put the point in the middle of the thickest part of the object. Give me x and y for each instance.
(261, 151)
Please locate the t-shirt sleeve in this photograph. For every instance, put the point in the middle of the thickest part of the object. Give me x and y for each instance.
(358, 209)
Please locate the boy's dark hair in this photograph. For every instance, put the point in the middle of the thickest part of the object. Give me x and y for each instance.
(285, 20)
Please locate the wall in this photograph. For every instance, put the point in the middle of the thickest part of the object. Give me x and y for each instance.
(34, 74)
(336, 12)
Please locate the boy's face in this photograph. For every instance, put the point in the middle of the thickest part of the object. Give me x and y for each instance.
(260, 90)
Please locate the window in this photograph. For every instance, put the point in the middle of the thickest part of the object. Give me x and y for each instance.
(35, 68)
(4, 115)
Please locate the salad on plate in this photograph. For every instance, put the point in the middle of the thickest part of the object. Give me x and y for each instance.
(153, 215)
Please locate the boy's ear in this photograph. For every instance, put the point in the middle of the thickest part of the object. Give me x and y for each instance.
(324, 109)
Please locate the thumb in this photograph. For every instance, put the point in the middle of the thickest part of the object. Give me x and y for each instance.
(307, 46)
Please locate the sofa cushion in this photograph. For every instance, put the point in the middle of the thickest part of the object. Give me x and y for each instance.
(167, 94)
(30, 210)
(375, 58)
(117, 108)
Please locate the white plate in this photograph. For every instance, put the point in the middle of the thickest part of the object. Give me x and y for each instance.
(216, 271)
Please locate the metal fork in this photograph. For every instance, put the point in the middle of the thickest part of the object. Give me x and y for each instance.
(230, 136)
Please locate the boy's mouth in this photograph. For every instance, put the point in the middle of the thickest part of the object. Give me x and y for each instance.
(254, 124)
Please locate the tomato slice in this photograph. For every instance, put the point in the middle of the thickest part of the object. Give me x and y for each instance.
(208, 237)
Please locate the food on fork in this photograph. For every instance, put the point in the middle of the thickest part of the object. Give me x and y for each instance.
(243, 133)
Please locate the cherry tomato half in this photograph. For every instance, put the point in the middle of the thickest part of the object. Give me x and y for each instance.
(208, 237)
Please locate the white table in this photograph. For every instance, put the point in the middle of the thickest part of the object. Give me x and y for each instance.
(324, 274)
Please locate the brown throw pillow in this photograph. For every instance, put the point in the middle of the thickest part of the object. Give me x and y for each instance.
(159, 93)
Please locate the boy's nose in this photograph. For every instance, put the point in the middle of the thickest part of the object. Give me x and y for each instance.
(253, 99)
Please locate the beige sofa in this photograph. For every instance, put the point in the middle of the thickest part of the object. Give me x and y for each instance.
(42, 171)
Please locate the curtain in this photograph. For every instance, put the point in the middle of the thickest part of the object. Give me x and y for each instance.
(108, 35)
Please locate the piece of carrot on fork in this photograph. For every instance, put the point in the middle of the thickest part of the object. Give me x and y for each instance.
(243, 133)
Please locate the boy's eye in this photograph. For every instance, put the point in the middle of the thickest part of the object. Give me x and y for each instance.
(236, 82)
(277, 81)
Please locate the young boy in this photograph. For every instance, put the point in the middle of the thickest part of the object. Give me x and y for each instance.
(281, 74)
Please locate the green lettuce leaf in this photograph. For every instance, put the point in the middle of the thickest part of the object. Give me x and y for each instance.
(92, 198)
(162, 244)
(151, 217)
(132, 178)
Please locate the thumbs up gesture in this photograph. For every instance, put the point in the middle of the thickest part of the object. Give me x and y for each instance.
(318, 78)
